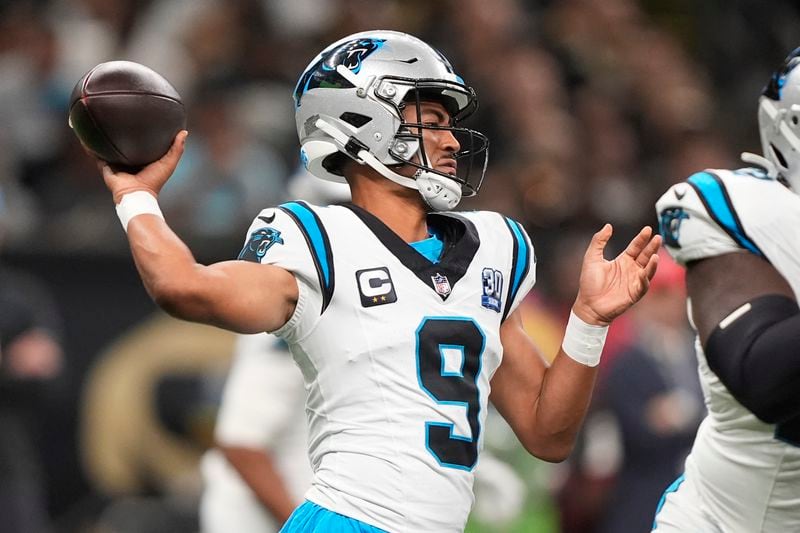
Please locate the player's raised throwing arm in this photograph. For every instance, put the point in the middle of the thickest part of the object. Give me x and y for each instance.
(237, 295)
(546, 405)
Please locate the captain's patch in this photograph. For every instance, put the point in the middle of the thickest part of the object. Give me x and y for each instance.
(375, 286)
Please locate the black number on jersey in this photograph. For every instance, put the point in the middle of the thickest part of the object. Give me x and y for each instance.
(449, 351)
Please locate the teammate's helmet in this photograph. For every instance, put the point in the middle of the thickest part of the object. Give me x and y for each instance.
(349, 101)
(779, 120)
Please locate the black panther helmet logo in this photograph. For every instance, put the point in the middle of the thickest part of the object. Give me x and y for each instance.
(323, 73)
(774, 88)
(260, 241)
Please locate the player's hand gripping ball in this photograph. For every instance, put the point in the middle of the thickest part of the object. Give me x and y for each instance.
(126, 114)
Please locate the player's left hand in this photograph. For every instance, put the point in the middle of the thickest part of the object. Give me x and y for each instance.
(608, 288)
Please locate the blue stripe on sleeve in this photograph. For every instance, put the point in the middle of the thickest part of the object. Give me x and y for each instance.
(317, 239)
(714, 196)
(311, 227)
(520, 262)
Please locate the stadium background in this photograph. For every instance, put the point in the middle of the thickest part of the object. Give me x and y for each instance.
(593, 108)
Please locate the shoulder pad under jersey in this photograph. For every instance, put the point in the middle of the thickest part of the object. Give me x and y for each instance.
(507, 238)
(712, 212)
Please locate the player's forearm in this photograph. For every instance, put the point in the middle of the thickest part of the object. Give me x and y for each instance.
(165, 264)
(544, 404)
(258, 470)
(566, 387)
(561, 406)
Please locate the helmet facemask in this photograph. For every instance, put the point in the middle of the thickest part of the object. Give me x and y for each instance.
(408, 147)
(350, 102)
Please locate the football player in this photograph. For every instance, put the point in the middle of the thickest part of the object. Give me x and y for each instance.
(399, 313)
(258, 471)
(738, 233)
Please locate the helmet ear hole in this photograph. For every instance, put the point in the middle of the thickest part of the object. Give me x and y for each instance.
(355, 119)
(334, 163)
(779, 156)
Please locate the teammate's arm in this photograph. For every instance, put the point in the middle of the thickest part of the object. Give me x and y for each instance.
(258, 470)
(545, 405)
(236, 295)
(748, 322)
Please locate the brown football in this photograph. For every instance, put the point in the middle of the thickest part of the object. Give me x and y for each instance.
(126, 113)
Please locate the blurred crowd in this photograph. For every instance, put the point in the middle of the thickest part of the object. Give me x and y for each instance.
(593, 108)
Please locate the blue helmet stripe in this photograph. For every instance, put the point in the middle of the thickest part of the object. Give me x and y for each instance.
(715, 198)
(520, 262)
(318, 243)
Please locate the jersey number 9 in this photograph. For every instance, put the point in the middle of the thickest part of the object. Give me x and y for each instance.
(449, 351)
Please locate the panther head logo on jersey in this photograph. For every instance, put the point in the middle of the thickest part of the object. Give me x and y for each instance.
(669, 225)
(260, 241)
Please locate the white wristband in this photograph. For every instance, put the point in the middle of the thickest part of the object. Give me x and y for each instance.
(137, 203)
(584, 342)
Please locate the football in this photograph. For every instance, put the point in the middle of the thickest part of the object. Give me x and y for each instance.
(126, 113)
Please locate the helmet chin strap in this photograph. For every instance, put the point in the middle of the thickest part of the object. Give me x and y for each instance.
(766, 164)
(440, 193)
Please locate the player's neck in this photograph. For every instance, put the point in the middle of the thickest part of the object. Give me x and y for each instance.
(402, 210)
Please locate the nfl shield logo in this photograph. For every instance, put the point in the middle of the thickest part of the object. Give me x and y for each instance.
(441, 284)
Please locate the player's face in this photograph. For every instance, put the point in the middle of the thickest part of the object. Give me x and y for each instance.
(440, 144)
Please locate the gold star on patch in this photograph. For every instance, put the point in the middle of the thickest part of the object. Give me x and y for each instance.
(383, 298)
(374, 299)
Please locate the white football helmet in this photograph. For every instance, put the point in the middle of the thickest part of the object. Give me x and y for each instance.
(779, 121)
(349, 102)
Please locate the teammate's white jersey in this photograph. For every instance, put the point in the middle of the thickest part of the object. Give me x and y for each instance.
(262, 408)
(397, 353)
(743, 475)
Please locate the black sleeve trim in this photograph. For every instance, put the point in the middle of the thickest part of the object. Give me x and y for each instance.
(318, 244)
(520, 262)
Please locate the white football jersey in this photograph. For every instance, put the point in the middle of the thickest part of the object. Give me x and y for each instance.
(262, 408)
(397, 353)
(746, 473)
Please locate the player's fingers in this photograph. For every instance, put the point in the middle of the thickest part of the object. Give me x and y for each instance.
(652, 266)
(638, 244)
(105, 169)
(649, 251)
(599, 241)
(165, 166)
(175, 151)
